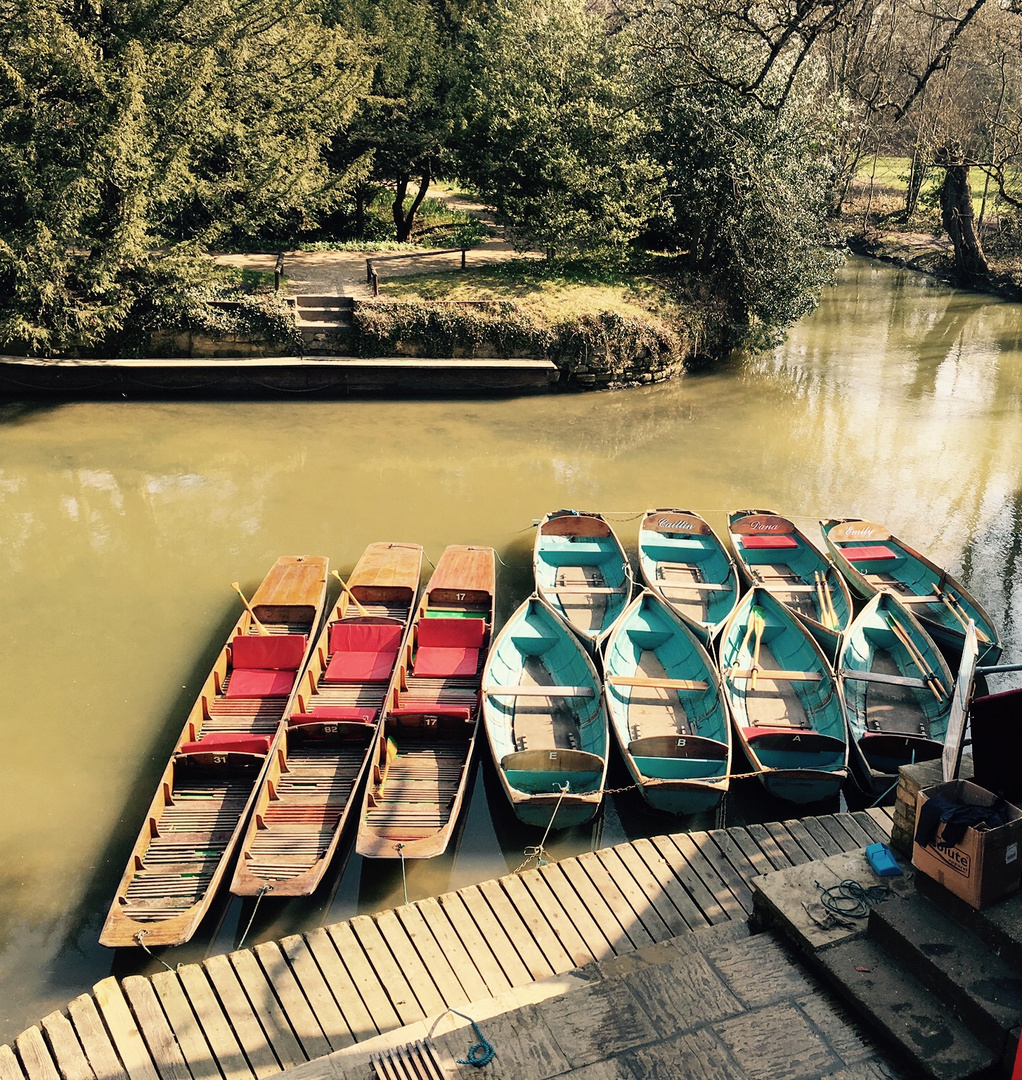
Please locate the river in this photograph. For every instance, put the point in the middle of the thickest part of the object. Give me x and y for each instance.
(123, 525)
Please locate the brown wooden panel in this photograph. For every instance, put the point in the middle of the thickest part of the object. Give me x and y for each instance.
(317, 993)
(607, 888)
(156, 1030)
(462, 963)
(872, 826)
(35, 1056)
(259, 992)
(539, 922)
(692, 882)
(636, 896)
(822, 837)
(388, 972)
(723, 869)
(67, 1051)
(364, 977)
(217, 1028)
(805, 839)
(10, 1067)
(582, 919)
(419, 977)
(756, 855)
(186, 1027)
(769, 845)
(650, 884)
(292, 1000)
(95, 1040)
(341, 985)
(836, 827)
(475, 945)
(514, 924)
(690, 845)
(594, 902)
(562, 924)
(452, 993)
(787, 843)
(244, 1023)
(497, 937)
(673, 889)
(123, 1032)
(730, 850)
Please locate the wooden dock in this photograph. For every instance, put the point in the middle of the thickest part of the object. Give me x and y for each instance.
(258, 1011)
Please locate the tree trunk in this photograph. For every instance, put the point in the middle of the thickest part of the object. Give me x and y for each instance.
(957, 214)
(403, 221)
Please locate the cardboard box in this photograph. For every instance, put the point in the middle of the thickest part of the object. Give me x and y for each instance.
(984, 865)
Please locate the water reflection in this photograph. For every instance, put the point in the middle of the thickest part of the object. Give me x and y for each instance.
(123, 524)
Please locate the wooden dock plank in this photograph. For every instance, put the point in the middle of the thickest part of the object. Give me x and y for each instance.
(475, 967)
(35, 1055)
(95, 1040)
(705, 858)
(516, 925)
(561, 921)
(503, 947)
(805, 839)
(787, 843)
(125, 1035)
(672, 885)
(871, 826)
(649, 884)
(711, 907)
(317, 993)
(216, 1026)
(582, 919)
(388, 971)
(836, 828)
(341, 984)
(607, 887)
(743, 865)
(756, 855)
(155, 1028)
(67, 1051)
(452, 993)
(245, 1024)
(635, 895)
(419, 977)
(10, 1067)
(185, 1025)
(281, 1038)
(883, 816)
(292, 1000)
(769, 845)
(827, 842)
(859, 832)
(545, 936)
(591, 897)
(373, 995)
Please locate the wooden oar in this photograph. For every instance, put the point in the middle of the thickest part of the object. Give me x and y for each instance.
(835, 622)
(954, 605)
(760, 624)
(745, 641)
(248, 607)
(350, 594)
(827, 615)
(391, 752)
(934, 683)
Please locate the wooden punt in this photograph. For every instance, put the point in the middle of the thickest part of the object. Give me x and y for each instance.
(775, 554)
(421, 758)
(685, 563)
(664, 705)
(784, 699)
(582, 572)
(204, 797)
(544, 719)
(872, 558)
(314, 779)
(898, 691)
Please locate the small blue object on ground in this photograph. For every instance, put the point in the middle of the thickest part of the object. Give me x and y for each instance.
(882, 859)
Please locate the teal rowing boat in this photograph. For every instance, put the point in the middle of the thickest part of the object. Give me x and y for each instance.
(872, 558)
(897, 690)
(784, 700)
(685, 563)
(544, 719)
(665, 708)
(582, 572)
(774, 553)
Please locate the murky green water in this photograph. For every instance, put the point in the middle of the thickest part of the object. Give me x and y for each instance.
(122, 526)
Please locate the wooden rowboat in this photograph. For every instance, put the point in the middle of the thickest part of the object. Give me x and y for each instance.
(665, 708)
(196, 818)
(775, 554)
(685, 563)
(544, 719)
(582, 572)
(421, 758)
(872, 558)
(898, 692)
(315, 777)
(784, 700)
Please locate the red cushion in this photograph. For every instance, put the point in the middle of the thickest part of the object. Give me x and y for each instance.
(283, 651)
(364, 637)
(260, 683)
(333, 713)
(358, 667)
(219, 743)
(868, 551)
(436, 663)
(455, 712)
(764, 540)
(752, 733)
(451, 633)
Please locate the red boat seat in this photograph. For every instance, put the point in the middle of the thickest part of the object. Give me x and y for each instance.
(868, 551)
(329, 713)
(764, 540)
(362, 652)
(221, 743)
(265, 666)
(448, 648)
(446, 712)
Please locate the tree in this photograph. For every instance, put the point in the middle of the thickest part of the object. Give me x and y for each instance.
(553, 142)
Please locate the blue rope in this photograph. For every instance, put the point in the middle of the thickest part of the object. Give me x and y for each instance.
(480, 1053)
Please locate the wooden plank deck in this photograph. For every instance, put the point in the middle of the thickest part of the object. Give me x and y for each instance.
(257, 1011)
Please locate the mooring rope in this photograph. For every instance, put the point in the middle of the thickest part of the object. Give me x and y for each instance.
(479, 1053)
(263, 890)
(139, 935)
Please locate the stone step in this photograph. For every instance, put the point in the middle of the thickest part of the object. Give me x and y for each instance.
(324, 302)
(902, 1010)
(979, 986)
